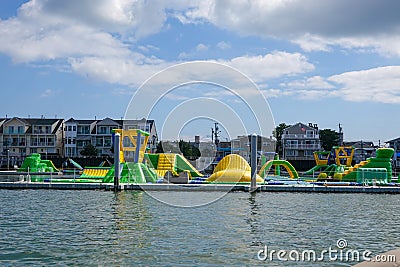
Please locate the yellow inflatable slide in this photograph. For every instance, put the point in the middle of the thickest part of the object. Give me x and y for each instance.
(232, 169)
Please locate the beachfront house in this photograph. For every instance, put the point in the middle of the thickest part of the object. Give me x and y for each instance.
(362, 150)
(299, 142)
(395, 144)
(80, 133)
(77, 135)
(23, 136)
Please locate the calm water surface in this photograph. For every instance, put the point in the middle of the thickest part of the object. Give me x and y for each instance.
(98, 228)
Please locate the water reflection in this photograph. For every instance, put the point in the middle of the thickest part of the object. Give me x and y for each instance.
(132, 220)
(253, 220)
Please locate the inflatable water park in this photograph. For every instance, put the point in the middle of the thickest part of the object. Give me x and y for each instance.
(133, 166)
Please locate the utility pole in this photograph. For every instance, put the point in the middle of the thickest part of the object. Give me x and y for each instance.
(362, 150)
(216, 133)
(340, 135)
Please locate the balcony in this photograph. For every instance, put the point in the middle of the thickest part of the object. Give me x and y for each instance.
(299, 157)
(48, 144)
(300, 136)
(303, 146)
(41, 131)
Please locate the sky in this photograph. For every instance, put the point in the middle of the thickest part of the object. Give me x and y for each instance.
(187, 64)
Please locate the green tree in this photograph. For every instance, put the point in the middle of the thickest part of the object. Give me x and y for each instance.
(159, 148)
(189, 150)
(278, 135)
(329, 138)
(89, 150)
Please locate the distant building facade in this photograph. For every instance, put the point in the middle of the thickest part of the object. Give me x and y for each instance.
(300, 141)
(241, 146)
(80, 133)
(395, 144)
(20, 137)
(362, 150)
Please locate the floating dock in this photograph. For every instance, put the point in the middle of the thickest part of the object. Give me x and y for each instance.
(203, 187)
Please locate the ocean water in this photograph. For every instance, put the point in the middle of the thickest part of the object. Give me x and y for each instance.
(99, 228)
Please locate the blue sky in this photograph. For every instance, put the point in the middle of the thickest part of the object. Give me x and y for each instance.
(325, 62)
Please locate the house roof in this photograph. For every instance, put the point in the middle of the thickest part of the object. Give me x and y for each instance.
(80, 121)
(108, 122)
(133, 122)
(357, 144)
(300, 125)
(23, 121)
(37, 121)
(393, 140)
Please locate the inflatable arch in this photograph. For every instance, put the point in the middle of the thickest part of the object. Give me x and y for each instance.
(276, 162)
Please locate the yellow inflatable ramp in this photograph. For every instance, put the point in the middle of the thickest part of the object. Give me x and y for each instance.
(166, 163)
(172, 162)
(233, 169)
(94, 172)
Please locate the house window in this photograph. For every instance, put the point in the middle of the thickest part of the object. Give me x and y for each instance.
(22, 141)
(291, 153)
(10, 129)
(47, 129)
(292, 143)
(69, 128)
(14, 141)
(308, 153)
(20, 129)
(42, 141)
(74, 128)
(107, 141)
(310, 133)
(50, 141)
(102, 130)
(83, 129)
(99, 141)
(82, 143)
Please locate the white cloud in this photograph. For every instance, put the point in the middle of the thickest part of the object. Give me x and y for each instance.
(47, 93)
(274, 93)
(384, 44)
(121, 16)
(313, 24)
(148, 48)
(201, 48)
(95, 40)
(273, 65)
(315, 82)
(380, 85)
(130, 71)
(374, 85)
(184, 55)
(223, 45)
(28, 43)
